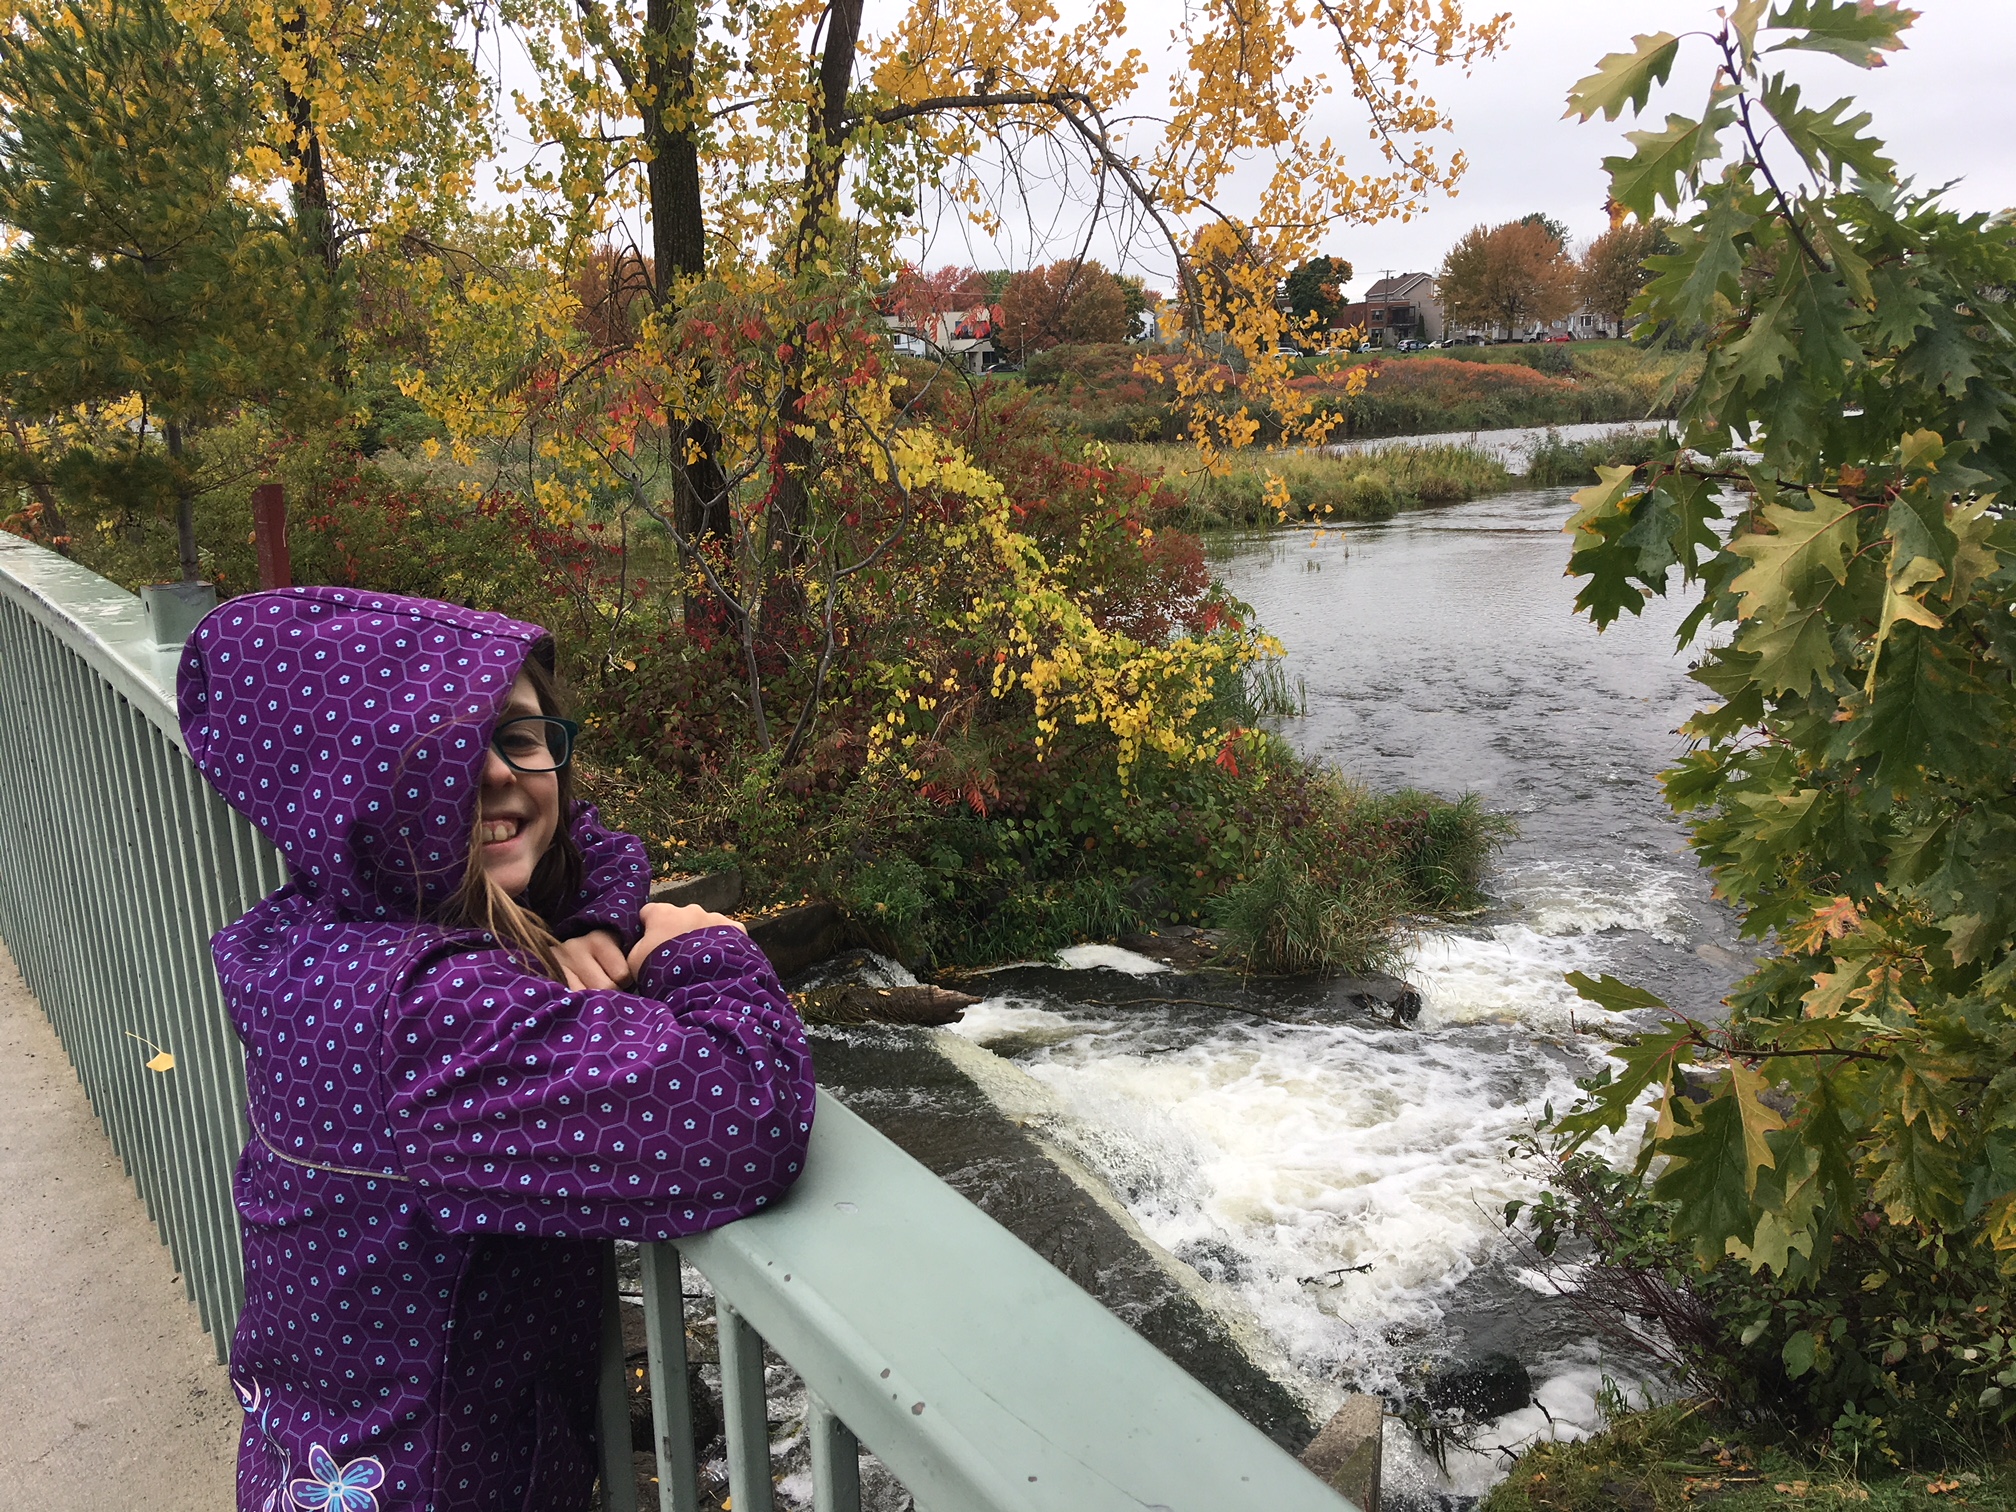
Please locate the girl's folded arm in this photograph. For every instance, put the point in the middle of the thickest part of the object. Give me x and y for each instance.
(697, 1086)
(615, 880)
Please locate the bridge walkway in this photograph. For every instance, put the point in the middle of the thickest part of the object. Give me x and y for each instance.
(110, 1394)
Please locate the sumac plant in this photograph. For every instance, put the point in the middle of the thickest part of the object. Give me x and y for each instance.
(1850, 560)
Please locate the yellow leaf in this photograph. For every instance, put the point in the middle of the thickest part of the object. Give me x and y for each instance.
(1759, 1119)
(1835, 919)
(162, 1062)
(1829, 997)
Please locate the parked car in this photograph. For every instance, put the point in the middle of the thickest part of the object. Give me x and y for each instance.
(1411, 346)
(1558, 338)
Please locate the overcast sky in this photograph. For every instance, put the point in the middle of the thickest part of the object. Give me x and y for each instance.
(1946, 105)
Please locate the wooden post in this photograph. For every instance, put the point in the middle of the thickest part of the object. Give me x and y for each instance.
(269, 529)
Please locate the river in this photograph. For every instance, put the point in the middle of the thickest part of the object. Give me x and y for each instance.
(1341, 1183)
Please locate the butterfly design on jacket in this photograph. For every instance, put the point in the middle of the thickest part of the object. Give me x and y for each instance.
(329, 1489)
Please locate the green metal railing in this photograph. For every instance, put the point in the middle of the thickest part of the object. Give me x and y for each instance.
(977, 1374)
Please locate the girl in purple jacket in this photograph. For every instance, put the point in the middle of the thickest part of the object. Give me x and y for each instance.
(473, 1052)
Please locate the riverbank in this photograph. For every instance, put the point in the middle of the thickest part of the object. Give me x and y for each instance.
(1102, 392)
(1372, 480)
(1681, 1454)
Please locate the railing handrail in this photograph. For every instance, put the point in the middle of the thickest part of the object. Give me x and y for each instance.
(979, 1374)
(97, 620)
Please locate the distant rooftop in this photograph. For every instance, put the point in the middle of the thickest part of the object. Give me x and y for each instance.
(1396, 286)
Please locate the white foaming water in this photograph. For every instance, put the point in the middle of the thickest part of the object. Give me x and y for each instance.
(1272, 1157)
(1342, 1181)
(1586, 899)
(1108, 958)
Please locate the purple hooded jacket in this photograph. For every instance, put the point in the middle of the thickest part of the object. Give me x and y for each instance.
(440, 1138)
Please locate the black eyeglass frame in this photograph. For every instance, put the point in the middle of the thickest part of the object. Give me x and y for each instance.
(572, 729)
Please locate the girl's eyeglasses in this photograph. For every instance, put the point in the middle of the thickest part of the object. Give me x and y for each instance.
(535, 743)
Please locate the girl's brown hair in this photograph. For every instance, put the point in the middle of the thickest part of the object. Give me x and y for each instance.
(479, 903)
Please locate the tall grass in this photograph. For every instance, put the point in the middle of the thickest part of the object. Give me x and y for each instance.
(1554, 462)
(1321, 487)
(1337, 894)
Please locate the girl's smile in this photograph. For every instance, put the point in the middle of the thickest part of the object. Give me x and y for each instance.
(519, 812)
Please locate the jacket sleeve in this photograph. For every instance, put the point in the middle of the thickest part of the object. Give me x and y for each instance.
(520, 1107)
(615, 880)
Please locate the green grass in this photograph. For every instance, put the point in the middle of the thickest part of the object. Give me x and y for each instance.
(1678, 1456)
(1554, 462)
(1321, 487)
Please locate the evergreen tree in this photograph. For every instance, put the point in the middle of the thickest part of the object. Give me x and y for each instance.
(145, 298)
(1316, 288)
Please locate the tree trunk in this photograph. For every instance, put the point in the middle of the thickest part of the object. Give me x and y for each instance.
(185, 507)
(57, 528)
(679, 248)
(313, 223)
(790, 493)
(311, 179)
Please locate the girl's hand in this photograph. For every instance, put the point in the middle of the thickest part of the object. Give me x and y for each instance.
(667, 921)
(594, 960)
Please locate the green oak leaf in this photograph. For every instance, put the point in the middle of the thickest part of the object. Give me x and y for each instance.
(1608, 992)
(1666, 160)
(1793, 651)
(1804, 545)
(1694, 514)
(1859, 31)
(1759, 355)
(1707, 1176)
(1920, 715)
(1652, 1061)
(1710, 264)
(1624, 78)
(1654, 524)
(1828, 143)
(1918, 1177)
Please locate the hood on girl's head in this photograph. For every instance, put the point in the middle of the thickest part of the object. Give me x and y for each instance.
(352, 727)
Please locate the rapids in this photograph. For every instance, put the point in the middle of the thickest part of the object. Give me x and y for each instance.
(1342, 1183)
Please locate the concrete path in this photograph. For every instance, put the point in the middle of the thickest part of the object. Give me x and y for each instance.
(110, 1392)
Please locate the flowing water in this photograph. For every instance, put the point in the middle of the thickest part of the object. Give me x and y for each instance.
(1342, 1182)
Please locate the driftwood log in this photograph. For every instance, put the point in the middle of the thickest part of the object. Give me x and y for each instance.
(857, 1003)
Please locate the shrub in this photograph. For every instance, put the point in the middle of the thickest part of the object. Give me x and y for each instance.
(1901, 1347)
(991, 845)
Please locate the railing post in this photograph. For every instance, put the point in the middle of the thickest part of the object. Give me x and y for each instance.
(745, 1411)
(269, 529)
(671, 1407)
(836, 1459)
(619, 1478)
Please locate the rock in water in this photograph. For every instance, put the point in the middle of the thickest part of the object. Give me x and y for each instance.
(1487, 1387)
(858, 1003)
(1346, 1454)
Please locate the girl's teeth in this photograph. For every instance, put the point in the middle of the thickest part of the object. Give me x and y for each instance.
(498, 830)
